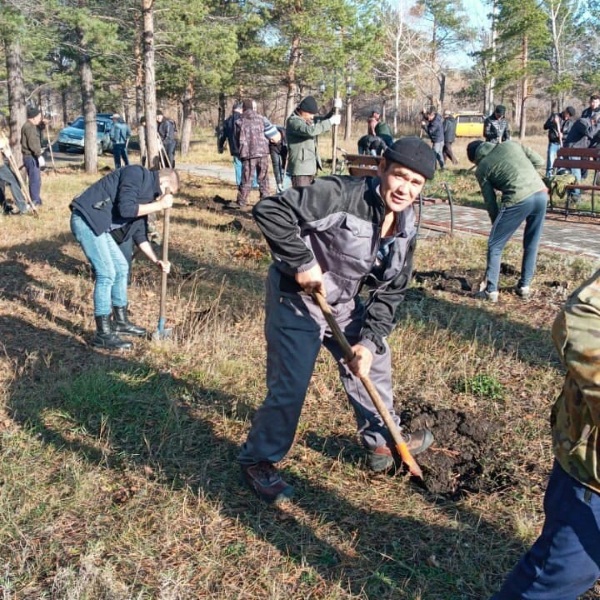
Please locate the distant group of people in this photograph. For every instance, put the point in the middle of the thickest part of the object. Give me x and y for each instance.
(567, 131)
(293, 149)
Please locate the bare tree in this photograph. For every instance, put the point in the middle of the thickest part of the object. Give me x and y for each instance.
(152, 147)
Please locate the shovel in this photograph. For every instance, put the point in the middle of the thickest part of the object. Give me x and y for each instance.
(161, 332)
(382, 409)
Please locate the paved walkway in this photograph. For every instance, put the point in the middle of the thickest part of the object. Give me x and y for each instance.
(560, 235)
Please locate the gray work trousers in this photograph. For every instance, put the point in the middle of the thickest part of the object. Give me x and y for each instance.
(295, 329)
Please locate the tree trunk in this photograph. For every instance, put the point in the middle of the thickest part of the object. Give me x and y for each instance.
(150, 84)
(524, 86)
(348, 128)
(188, 111)
(139, 88)
(90, 156)
(489, 102)
(442, 80)
(292, 86)
(222, 111)
(64, 99)
(16, 96)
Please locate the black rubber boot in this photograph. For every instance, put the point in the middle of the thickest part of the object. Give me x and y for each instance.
(121, 324)
(106, 338)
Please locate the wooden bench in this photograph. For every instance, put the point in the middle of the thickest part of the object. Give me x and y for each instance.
(365, 165)
(586, 159)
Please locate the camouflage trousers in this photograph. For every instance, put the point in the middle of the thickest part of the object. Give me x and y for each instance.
(260, 166)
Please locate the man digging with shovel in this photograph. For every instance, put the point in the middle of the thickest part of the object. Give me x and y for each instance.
(118, 202)
(332, 238)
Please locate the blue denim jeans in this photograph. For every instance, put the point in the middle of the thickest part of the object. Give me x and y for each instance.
(237, 166)
(108, 262)
(120, 153)
(35, 179)
(532, 210)
(438, 150)
(564, 562)
(550, 156)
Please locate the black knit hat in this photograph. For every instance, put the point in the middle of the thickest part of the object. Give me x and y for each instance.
(309, 105)
(500, 110)
(414, 154)
(472, 148)
(32, 112)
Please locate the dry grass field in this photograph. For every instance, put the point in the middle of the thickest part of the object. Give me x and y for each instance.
(118, 477)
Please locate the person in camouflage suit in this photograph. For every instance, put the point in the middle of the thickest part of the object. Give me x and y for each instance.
(564, 562)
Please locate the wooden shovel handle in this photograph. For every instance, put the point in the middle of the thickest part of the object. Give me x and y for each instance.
(382, 409)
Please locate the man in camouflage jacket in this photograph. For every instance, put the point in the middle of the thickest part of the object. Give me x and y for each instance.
(564, 562)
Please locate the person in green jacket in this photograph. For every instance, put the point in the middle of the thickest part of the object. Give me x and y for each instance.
(509, 169)
(564, 562)
(302, 129)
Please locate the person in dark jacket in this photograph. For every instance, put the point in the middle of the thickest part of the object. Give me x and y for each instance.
(335, 237)
(372, 145)
(119, 136)
(593, 109)
(279, 151)
(118, 201)
(496, 128)
(449, 136)
(434, 126)
(558, 126)
(31, 148)
(167, 132)
(228, 135)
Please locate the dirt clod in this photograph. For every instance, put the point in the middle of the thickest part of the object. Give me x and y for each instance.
(455, 463)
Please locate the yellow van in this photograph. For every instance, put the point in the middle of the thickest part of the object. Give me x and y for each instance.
(469, 124)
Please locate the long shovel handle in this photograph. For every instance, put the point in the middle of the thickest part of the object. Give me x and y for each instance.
(164, 276)
(382, 409)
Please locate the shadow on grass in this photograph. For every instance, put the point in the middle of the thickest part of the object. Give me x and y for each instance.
(477, 323)
(158, 422)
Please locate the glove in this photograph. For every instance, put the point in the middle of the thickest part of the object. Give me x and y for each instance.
(335, 119)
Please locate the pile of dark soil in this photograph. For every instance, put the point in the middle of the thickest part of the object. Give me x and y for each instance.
(463, 458)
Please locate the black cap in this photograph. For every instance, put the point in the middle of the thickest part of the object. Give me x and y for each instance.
(309, 105)
(32, 112)
(500, 109)
(159, 113)
(472, 149)
(414, 154)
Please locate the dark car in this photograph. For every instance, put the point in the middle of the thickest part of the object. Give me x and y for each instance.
(72, 136)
